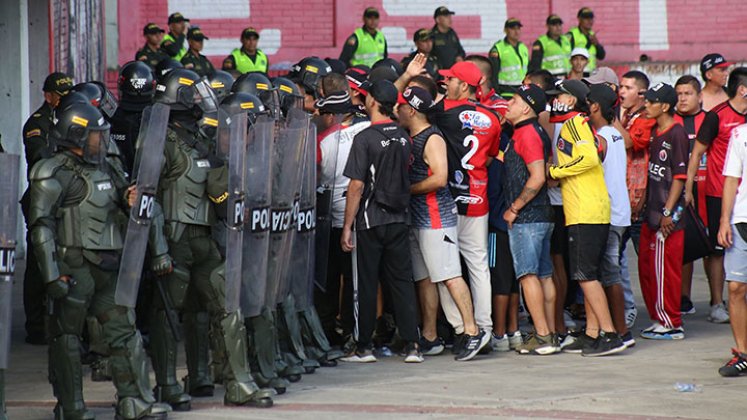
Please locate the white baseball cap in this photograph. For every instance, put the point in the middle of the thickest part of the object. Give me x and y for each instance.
(580, 51)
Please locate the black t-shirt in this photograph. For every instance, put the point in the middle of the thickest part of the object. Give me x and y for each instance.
(669, 152)
(362, 165)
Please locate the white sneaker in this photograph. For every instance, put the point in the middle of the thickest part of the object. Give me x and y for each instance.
(515, 340)
(719, 314)
(568, 340)
(500, 343)
(630, 316)
(365, 356)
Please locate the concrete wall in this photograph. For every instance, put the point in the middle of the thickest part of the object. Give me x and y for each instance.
(681, 31)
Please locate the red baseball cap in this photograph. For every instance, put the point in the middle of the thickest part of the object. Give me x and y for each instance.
(466, 71)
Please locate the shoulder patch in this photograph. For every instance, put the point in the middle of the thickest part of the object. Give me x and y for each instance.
(537, 47)
(33, 133)
(46, 168)
(351, 40)
(37, 115)
(494, 53)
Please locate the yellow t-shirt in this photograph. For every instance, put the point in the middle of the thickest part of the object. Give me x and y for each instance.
(579, 169)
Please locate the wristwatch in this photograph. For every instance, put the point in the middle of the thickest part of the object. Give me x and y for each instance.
(666, 212)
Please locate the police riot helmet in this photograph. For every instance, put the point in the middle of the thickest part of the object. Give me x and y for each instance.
(98, 95)
(309, 72)
(237, 102)
(81, 125)
(221, 82)
(184, 90)
(136, 81)
(165, 66)
(256, 84)
(288, 94)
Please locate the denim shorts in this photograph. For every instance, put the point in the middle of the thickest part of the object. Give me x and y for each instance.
(610, 272)
(530, 248)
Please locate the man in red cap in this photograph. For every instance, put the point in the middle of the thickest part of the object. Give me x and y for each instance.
(472, 132)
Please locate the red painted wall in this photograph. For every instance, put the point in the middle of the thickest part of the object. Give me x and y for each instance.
(320, 27)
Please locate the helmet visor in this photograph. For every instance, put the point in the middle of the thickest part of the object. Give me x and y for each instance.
(200, 94)
(96, 146)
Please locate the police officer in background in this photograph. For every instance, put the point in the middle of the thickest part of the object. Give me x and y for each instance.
(193, 60)
(37, 147)
(248, 58)
(367, 44)
(423, 39)
(446, 45)
(582, 36)
(552, 51)
(151, 53)
(136, 85)
(510, 59)
(173, 42)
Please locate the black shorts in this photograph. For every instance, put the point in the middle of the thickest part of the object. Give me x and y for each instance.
(502, 275)
(559, 238)
(713, 208)
(586, 246)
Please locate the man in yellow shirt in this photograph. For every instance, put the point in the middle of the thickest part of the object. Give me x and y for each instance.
(587, 214)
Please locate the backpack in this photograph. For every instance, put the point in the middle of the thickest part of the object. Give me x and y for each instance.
(391, 186)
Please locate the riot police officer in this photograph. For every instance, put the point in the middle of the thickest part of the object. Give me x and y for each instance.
(75, 219)
(193, 254)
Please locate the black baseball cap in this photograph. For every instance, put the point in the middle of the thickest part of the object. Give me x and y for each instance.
(602, 94)
(371, 12)
(249, 32)
(534, 96)
(176, 18)
(442, 11)
(58, 82)
(512, 23)
(151, 28)
(418, 98)
(384, 92)
(585, 12)
(196, 34)
(553, 20)
(663, 93)
(422, 34)
(712, 61)
(576, 88)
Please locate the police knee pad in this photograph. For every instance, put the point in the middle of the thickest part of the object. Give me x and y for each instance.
(68, 316)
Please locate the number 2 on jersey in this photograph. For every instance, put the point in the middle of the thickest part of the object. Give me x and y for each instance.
(473, 143)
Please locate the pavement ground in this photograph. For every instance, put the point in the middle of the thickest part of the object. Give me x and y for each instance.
(638, 383)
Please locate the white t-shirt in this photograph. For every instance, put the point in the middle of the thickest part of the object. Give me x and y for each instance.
(556, 199)
(337, 142)
(615, 166)
(736, 166)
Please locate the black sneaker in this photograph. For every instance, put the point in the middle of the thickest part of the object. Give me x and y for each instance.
(736, 366)
(431, 348)
(686, 306)
(472, 345)
(458, 345)
(607, 343)
(577, 346)
(628, 339)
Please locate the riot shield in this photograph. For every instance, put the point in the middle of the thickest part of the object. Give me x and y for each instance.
(259, 159)
(287, 168)
(327, 194)
(235, 208)
(9, 166)
(150, 144)
(301, 270)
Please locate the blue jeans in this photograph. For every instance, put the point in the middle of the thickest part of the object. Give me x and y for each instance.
(633, 233)
(530, 249)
